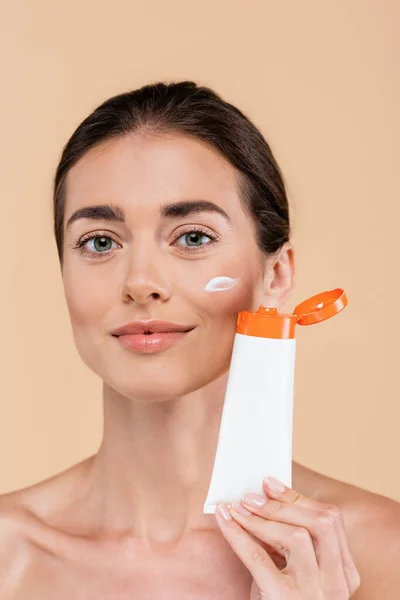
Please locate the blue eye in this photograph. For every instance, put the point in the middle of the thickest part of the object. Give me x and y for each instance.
(194, 238)
(102, 244)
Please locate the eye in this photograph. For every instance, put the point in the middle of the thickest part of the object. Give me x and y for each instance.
(99, 245)
(194, 237)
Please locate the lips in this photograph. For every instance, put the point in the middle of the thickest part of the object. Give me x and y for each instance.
(147, 327)
(151, 343)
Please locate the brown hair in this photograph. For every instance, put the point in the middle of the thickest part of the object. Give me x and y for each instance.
(196, 111)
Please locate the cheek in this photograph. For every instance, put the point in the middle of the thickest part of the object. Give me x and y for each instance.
(224, 296)
(88, 306)
(87, 301)
(225, 300)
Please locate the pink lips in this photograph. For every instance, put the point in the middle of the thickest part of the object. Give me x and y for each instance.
(150, 336)
(150, 326)
(153, 342)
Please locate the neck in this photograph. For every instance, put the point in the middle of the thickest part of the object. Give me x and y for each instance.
(152, 472)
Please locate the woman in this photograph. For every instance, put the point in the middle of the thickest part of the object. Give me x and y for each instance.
(158, 192)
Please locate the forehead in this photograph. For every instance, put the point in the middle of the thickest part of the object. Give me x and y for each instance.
(147, 171)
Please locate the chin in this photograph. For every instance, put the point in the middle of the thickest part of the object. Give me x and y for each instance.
(151, 388)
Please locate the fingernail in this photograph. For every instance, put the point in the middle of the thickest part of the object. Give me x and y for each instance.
(240, 508)
(224, 512)
(254, 499)
(274, 484)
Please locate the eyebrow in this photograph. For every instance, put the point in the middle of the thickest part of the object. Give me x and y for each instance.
(110, 212)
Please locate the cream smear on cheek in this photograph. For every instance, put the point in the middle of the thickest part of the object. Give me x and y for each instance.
(220, 284)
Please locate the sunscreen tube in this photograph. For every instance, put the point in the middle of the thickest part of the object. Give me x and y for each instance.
(255, 437)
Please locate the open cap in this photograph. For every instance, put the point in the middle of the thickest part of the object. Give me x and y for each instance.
(320, 307)
(267, 322)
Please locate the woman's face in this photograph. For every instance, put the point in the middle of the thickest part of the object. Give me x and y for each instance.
(152, 267)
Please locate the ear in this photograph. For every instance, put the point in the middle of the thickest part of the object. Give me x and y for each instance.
(279, 276)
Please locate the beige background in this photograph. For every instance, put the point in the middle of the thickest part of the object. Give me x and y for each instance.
(320, 79)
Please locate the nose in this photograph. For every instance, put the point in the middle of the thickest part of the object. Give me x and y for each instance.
(144, 279)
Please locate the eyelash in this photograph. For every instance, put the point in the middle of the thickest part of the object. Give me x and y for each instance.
(98, 234)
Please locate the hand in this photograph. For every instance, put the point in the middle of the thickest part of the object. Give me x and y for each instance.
(303, 552)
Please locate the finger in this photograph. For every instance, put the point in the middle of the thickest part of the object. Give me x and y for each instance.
(294, 541)
(252, 554)
(290, 496)
(323, 534)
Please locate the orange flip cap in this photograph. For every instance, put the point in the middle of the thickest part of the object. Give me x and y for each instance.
(267, 322)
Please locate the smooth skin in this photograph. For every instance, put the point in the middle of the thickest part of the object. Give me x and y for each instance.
(128, 521)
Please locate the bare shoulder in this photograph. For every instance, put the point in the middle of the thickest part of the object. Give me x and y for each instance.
(13, 549)
(46, 499)
(27, 516)
(372, 523)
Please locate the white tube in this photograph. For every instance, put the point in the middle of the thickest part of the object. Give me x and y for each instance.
(255, 438)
